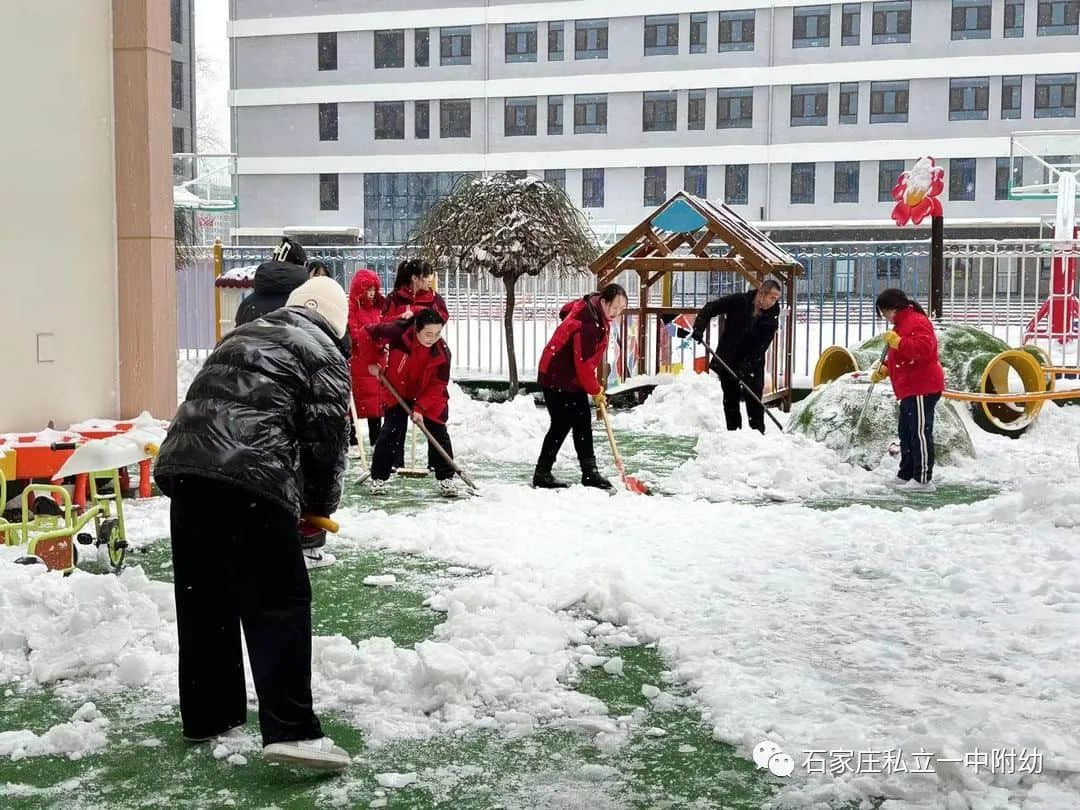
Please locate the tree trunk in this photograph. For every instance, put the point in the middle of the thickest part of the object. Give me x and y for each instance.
(509, 281)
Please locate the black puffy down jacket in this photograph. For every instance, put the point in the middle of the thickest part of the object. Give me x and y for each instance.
(268, 412)
(272, 283)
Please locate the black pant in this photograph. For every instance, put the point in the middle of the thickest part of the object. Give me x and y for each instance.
(237, 563)
(917, 437)
(390, 448)
(570, 412)
(734, 394)
(374, 425)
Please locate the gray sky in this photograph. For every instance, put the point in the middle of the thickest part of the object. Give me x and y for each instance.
(212, 76)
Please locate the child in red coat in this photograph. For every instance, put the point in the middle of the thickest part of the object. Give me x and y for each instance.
(418, 367)
(917, 378)
(414, 291)
(365, 308)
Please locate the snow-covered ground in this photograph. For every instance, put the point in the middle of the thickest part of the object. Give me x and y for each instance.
(861, 629)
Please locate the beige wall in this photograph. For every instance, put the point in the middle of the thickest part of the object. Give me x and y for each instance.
(58, 255)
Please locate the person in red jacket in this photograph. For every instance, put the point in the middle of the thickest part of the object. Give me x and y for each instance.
(414, 290)
(365, 308)
(418, 366)
(568, 376)
(917, 378)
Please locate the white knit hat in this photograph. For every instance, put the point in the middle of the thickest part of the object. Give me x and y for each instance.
(325, 296)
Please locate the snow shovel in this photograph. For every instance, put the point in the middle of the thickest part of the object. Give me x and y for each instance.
(865, 405)
(356, 430)
(413, 471)
(745, 387)
(631, 483)
(438, 447)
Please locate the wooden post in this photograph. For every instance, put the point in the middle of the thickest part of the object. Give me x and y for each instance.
(218, 265)
(937, 266)
(643, 326)
(789, 341)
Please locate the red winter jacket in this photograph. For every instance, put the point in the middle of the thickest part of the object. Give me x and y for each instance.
(913, 366)
(403, 299)
(368, 392)
(571, 358)
(419, 374)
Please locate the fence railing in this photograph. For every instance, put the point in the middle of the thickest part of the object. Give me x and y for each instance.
(997, 285)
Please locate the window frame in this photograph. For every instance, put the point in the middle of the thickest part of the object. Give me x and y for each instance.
(654, 180)
(1017, 28)
(600, 25)
(326, 50)
(587, 101)
(848, 169)
(457, 37)
(396, 109)
(658, 23)
(552, 106)
(449, 109)
(700, 100)
(849, 89)
(894, 168)
(426, 116)
(177, 85)
(805, 14)
(530, 31)
(731, 18)
(817, 92)
(1015, 86)
(902, 91)
(699, 32)
(1068, 88)
(741, 173)
(556, 29)
(808, 190)
(847, 12)
(971, 87)
(660, 100)
(556, 177)
(394, 37)
(982, 9)
(426, 50)
(902, 11)
(1071, 11)
(591, 180)
(696, 172)
(513, 106)
(329, 191)
(729, 94)
(328, 121)
(958, 168)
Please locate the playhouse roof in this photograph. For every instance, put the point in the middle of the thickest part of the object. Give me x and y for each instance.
(678, 236)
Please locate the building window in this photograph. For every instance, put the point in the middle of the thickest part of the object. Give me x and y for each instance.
(592, 188)
(659, 112)
(662, 35)
(390, 49)
(695, 109)
(590, 114)
(422, 47)
(737, 184)
(971, 19)
(892, 22)
(735, 108)
(1002, 173)
(655, 185)
(328, 51)
(699, 33)
(1056, 17)
(1011, 96)
(888, 102)
(1055, 96)
(520, 43)
(846, 182)
(519, 116)
(176, 17)
(178, 140)
(850, 24)
(517, 174)
(887, 267)
(328, 192)
(802, 183)
(962, 179)
(178, 85)
(422, 119)
(696, 180)
(328, 122)
(556, 40)
(889, 172)
(849, 103)
(455, 118)
(555, 115)
(969, 99)
(590, 39)
(555, 177)
(455, 46)
(737, 30)
(389, 120)
(1014, 18)
(394, 203)
(810, 27)
(809, 105)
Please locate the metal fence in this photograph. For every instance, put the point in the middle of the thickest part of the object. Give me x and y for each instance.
(997, 285)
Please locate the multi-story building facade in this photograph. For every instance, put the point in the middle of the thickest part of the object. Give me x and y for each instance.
(182, 27)
(800, 116)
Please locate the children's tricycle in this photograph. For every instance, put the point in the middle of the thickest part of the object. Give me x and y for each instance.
(50, 527)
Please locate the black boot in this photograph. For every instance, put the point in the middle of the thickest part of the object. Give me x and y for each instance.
(591, 477)
(543, 479)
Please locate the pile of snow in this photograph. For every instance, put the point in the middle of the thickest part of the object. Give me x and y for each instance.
(488, 431)
(85, 734)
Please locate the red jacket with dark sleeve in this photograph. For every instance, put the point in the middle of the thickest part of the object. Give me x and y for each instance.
(403, 299)
(914, 367)
(421, 375)
(572, 357)
(368, 392)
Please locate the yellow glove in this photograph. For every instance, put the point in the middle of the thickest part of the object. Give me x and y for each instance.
(600, 400)
(880, 373)
(892, 339)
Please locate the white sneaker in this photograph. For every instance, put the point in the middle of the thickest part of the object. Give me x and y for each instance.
(320, 754)
(900, 483)
(376, 487)
(447, 488)
(915, 486)
(314, 558)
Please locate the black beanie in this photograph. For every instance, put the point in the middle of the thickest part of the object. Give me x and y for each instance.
(290, 251)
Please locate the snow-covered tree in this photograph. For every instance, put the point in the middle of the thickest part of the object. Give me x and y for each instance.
(509, 228)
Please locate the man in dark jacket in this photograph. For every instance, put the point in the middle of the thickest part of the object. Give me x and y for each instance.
(274, 281)
(750, 322)
(260, 440)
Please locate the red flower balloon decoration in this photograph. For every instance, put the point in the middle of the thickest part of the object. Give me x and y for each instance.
(916, 193)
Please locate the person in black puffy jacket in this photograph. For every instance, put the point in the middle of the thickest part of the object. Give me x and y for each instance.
(274, 281)
(259, 441)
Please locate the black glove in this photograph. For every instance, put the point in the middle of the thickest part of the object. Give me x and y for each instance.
(698, 336)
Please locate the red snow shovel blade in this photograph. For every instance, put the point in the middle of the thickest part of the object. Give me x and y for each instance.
(634, 485)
